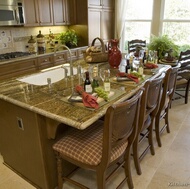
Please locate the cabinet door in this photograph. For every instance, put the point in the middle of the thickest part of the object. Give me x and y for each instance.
(63, 12)
(101, 3)
(92, 3)
(59, 12)
(45, 12)
(94, 24)
(108, 3)
(107, 25)
(31, 13)
(70, 11)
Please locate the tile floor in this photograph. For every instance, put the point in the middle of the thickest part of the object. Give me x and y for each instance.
(169, 168)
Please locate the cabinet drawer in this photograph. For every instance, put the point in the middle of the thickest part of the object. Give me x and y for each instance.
(45, 62)
(60, 57)
(74, 54)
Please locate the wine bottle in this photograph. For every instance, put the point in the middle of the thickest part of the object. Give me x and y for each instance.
(95, 82)
(87, 83)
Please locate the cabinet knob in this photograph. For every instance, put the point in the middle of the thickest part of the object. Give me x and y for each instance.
(45, 60)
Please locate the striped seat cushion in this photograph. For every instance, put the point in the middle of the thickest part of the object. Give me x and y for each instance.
(86, 145)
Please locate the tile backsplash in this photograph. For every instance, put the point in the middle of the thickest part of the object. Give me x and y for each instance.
(16, 38)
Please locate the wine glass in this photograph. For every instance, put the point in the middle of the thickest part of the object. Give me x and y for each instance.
(104, 72)
(136, 63)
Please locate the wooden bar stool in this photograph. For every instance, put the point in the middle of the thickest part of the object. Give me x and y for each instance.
(102, 144)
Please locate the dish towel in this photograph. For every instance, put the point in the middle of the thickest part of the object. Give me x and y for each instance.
(151, 65)
(88, 100)
(130, 76)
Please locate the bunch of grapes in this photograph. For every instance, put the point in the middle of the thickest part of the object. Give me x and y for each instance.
(102, 93)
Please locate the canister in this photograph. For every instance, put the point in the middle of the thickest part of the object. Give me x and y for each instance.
(32, 45)
(41, 43)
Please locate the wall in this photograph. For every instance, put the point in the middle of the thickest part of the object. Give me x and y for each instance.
(16, 38)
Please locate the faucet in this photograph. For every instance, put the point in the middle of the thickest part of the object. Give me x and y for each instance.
(70, 54)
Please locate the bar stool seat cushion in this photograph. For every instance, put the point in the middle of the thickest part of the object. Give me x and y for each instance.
(86, 145)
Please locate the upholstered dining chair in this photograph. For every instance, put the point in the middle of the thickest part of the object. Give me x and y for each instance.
(148, 109)
(183, 79)
(135, 43)
(102, 144)
(168, 90)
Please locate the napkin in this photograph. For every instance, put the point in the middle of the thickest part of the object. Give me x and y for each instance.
(151, 65)
(88, 100)
(130, 76)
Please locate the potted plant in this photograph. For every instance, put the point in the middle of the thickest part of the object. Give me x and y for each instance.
(69, 38)
(163, 44)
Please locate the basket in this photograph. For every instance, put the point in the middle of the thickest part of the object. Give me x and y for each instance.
(95, 54)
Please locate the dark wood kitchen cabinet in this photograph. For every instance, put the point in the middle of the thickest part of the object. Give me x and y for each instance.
(17, 68)
(99, 16)
(38, 12)
(101, 20)
(64, 12)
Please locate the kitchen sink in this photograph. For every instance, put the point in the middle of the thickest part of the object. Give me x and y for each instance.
(52, 75)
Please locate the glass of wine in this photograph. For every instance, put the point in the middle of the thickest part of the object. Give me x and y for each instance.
(104, 72)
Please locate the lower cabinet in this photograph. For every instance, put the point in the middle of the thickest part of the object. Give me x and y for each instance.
(16, 68)
(31, 65)
(22, 147)
(26, 148)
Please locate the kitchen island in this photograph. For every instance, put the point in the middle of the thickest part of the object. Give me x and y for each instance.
(33, 118)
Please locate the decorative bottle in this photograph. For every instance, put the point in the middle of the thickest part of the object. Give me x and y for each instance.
(87, 83)
(114, 54)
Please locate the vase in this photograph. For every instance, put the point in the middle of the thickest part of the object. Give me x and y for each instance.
(114, 53)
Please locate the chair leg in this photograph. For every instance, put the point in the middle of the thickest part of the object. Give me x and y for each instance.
(59, 172)
(187, 93)
(150, 139)
(136, 156)
(167, 120)
(127, 168)
(157, 130)
(101, 179)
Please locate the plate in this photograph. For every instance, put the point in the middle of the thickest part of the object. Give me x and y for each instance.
(171, 63)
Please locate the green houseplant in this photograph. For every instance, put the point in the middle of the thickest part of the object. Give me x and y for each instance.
(163, 44)
(69, 38)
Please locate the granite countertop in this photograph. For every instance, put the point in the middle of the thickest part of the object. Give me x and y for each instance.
(41, 100)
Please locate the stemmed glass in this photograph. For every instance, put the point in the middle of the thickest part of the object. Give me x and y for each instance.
(104, 73)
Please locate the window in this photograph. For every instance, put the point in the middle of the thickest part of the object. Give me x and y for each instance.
(138, 20)
(176, 20)
(157, 17)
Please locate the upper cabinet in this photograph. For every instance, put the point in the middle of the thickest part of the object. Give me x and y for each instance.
(49, 12)
(101, 3)
(100, 19)
(64, 12)
(38, 12)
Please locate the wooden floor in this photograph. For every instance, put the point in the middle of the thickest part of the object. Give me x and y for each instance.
(169, 168)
